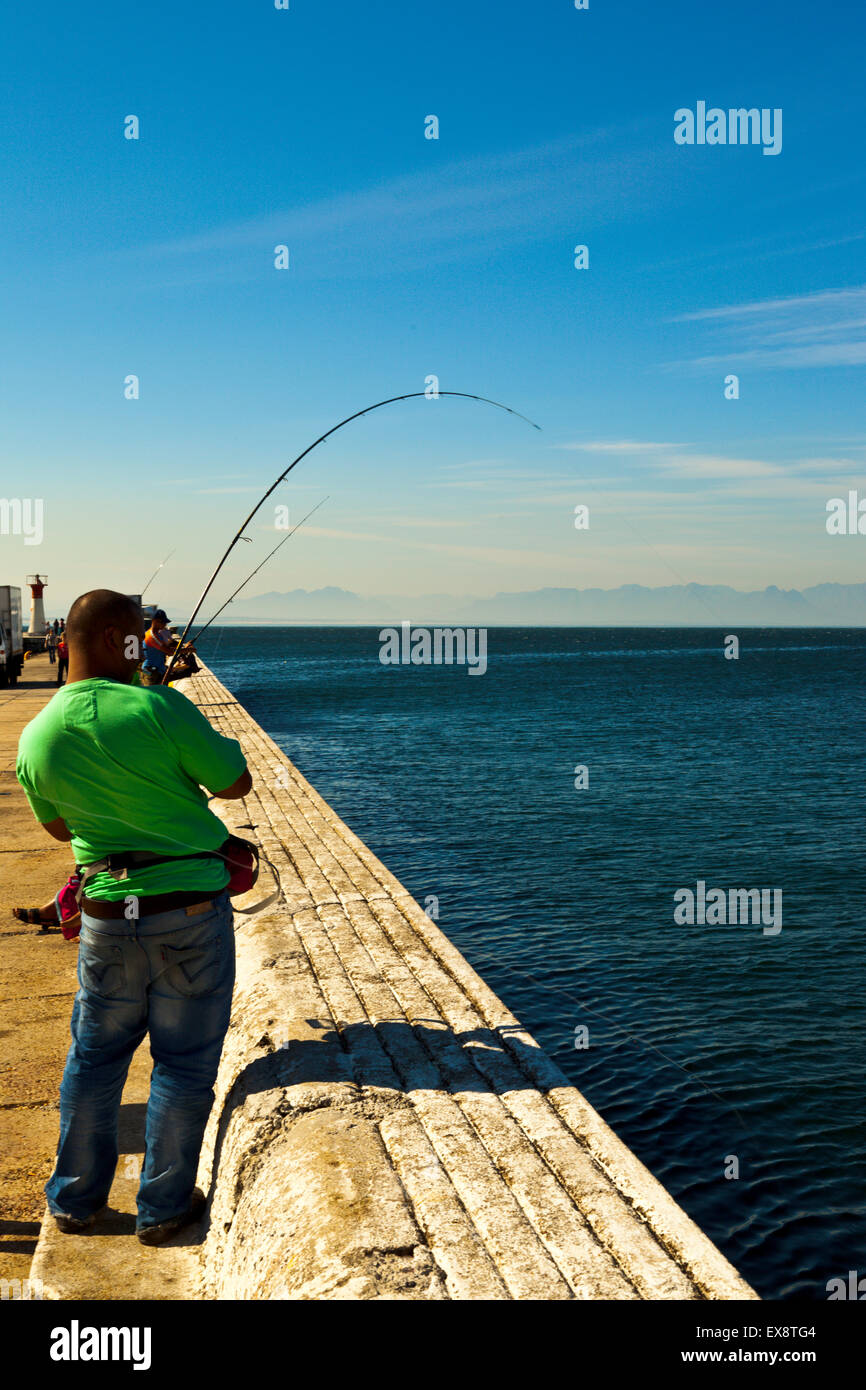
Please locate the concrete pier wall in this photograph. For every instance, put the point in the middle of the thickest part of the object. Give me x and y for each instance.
(384, 1127)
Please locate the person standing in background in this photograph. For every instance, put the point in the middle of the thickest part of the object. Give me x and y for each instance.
(62, 657)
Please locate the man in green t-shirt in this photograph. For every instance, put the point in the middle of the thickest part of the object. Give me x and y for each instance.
(115, 768)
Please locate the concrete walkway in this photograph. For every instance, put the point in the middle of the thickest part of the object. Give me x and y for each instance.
(383, 1126)
(37, 985)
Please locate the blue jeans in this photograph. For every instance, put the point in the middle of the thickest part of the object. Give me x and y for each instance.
(170, 975)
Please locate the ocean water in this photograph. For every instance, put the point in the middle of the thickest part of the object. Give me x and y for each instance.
(712, 1049)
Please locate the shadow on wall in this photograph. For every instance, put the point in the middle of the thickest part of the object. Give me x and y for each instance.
(391, 1054)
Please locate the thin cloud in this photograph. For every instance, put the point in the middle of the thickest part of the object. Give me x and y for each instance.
(843, 468)
(849, 354)
(619, 446)
(208, 477)
(719, 466)
(747, 252)
(823, 329)
(425, 522)
(452, 211)
(811, 303)
(491, 554)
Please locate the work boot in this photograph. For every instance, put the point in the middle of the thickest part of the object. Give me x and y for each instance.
(164, 1230)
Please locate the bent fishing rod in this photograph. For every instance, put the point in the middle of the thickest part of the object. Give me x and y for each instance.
(203, 630)
(156, 572)
(410, 395)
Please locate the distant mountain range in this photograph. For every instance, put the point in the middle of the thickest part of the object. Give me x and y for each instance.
(688, 605)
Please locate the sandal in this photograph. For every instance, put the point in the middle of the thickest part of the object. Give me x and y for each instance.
(34, 915)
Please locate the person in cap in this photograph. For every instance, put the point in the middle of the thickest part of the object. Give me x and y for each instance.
(158, 643)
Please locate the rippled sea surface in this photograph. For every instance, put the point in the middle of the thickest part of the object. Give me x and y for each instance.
(710, 1047)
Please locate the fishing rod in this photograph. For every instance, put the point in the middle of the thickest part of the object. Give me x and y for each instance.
(410, 395)
(204, 629)
(156, 572)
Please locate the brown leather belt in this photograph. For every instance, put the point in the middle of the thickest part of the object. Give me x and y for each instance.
(157, 902)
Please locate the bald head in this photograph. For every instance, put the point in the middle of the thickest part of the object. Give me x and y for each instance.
(104, 631)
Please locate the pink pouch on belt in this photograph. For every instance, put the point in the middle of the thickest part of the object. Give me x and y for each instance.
(67, 906)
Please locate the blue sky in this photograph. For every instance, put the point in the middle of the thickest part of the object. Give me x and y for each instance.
(411, 257)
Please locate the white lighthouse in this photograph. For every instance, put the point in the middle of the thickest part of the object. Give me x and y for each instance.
(37, 583)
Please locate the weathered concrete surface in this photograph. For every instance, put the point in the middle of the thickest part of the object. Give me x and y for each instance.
(37, 985)
(383, 1126)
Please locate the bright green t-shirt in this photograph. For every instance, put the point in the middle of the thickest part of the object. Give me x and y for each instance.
(124, 766)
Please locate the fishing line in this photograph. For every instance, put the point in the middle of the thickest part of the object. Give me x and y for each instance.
(410, 395)
(156, 572)
(257, 568)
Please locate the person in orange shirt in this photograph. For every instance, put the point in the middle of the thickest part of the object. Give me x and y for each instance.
(159, 643)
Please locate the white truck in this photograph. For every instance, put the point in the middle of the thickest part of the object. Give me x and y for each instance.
(11, 640)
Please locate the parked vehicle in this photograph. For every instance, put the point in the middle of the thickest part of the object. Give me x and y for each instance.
(11, 638)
